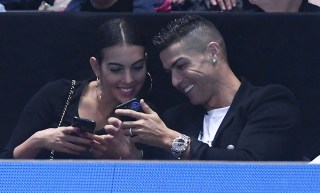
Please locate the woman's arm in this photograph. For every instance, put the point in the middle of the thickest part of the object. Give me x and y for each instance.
(41, 112)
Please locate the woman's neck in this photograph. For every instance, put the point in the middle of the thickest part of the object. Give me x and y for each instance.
(95, 108)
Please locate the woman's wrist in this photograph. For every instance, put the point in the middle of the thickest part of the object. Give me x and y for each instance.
(136, 155)
(37, 140)
(28, 149)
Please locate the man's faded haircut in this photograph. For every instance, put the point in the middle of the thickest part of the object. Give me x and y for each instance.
(193, 30)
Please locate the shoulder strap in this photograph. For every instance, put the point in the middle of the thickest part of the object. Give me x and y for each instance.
(73, 83)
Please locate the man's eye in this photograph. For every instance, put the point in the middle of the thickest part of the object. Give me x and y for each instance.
(181, 66)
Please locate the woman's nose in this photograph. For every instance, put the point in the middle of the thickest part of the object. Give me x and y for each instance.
(128, 77)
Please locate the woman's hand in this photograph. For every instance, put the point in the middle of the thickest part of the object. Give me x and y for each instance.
(63, 139)
(59, 139)
(148, 128)
(113, 145)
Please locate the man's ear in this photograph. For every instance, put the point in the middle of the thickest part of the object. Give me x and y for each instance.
(213, 48)
(95, 66)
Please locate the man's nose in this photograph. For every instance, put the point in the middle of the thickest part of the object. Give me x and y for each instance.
(175, 79)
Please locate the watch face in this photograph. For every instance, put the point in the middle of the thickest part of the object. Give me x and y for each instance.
(179, 145)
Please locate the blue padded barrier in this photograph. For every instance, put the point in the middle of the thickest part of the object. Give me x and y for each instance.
(154, 176)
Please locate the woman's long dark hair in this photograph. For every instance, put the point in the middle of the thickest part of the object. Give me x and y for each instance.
(117, 31)
(120, 31)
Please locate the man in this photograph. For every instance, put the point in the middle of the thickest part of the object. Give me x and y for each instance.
(226, 119)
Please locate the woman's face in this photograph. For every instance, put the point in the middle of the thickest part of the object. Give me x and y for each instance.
(122, 71)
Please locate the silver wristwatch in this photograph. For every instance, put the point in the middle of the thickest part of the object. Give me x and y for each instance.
(179, 145)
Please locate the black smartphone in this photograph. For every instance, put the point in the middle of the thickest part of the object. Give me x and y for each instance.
(85, 125)
(133, 104)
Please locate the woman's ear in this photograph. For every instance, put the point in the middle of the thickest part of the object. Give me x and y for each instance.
(95, 66)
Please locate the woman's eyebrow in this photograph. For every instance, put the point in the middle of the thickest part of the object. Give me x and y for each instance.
(118, 64)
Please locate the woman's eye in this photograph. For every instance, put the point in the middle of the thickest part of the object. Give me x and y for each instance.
(138, 67)
(115, 69)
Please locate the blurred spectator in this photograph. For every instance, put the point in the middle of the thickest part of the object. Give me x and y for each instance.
(245, 5)
(59, 5)
(82, 5)
(101, 5)
(285, 5)
(111, 6)
(151, 6)
(162, 5)
(140, 6)
(24, 4)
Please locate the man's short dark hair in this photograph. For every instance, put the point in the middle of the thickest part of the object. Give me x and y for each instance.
(197, 31)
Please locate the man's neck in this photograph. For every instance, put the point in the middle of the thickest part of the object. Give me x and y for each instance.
(225, 93)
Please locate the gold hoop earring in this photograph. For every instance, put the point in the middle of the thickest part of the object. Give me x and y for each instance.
(98, 91)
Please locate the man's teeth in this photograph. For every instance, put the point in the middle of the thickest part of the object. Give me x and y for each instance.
(186, 90)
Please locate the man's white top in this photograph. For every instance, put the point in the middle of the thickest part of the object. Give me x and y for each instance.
(316, 160)
(211, 122)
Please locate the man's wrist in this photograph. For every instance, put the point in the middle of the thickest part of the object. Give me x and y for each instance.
(179, 145)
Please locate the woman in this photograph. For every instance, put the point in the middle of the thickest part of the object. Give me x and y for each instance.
(120, 68)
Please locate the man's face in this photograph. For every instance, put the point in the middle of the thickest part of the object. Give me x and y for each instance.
(192, 73)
